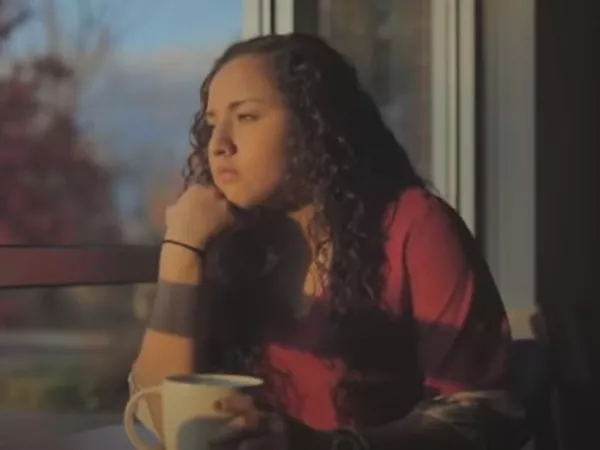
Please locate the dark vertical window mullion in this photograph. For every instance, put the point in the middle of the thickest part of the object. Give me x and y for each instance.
(273, 17)
(261, 24)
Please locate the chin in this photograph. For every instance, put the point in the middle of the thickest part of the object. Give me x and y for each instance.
(247, 199)
(242, 201)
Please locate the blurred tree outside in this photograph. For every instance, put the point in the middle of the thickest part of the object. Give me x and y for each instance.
(63, 180)
(52, 189)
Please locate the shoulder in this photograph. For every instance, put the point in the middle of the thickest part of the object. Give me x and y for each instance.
(428, 246)
(418, 210)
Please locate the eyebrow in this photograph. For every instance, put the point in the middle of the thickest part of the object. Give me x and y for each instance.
(236, 104)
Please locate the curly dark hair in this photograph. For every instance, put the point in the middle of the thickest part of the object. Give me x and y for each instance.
(346, 162)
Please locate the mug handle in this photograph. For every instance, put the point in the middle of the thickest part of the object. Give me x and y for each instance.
(129, 418)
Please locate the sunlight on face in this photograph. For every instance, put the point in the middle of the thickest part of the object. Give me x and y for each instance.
(247, 151)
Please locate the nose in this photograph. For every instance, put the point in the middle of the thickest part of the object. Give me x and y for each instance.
(221, 144)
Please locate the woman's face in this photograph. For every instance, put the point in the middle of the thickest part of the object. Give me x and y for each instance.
(247, 152)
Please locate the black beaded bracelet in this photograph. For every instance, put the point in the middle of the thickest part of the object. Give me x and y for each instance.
(199, 251)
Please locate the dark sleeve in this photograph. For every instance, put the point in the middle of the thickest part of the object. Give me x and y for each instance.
(475, 420)
(189, 311)
(175, 308)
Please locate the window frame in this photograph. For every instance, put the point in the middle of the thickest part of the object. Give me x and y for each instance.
(259, 17)
(24, 266)
(54, 266)
(508, 169)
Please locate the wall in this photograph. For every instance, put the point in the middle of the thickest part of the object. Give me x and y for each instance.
(567, 188)
(506, 159)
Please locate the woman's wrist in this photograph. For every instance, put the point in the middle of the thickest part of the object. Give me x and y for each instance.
(179, 265)
(198, 248)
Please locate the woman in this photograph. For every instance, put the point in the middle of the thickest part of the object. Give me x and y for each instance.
(329, 270)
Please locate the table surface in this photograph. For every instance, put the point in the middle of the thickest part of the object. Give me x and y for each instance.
(111, 437)
(35, 430)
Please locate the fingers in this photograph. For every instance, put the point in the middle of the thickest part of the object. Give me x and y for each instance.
(235, 404)
(219, 193)
(243, 427)
(197, 197)
(243, 408)
(168, 214)
(205, 188)
(231, 438)
(268, 433)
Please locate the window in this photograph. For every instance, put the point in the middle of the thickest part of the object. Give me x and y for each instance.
(407, 53)
(96, 99)
(389, 42)
(69, 349)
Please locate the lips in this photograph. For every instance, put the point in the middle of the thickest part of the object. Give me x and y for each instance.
(226, 173)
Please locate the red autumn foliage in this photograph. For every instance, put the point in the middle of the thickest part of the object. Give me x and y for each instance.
(52, 191)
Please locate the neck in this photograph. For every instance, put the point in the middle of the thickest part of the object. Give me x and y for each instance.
(302, 217)
(315, 281)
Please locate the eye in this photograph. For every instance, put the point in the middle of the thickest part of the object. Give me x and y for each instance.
(247, 117)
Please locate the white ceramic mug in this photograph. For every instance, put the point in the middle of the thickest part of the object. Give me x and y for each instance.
(189, 420)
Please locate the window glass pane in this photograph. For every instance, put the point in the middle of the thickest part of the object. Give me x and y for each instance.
(96, 99)
(68, 350)
(389, 42)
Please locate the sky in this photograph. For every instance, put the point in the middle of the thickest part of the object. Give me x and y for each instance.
(161, 51)
(143, 26)
(185, 23)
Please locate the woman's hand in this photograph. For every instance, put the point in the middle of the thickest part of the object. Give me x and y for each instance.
(198, 215)
(253, 429)
(250, 428)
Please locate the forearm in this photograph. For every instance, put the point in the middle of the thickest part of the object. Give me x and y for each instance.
(168, 344)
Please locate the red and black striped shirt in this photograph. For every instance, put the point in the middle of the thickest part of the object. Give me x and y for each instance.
(436, 276)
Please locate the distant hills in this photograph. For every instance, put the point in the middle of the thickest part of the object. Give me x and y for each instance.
(142, 101)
